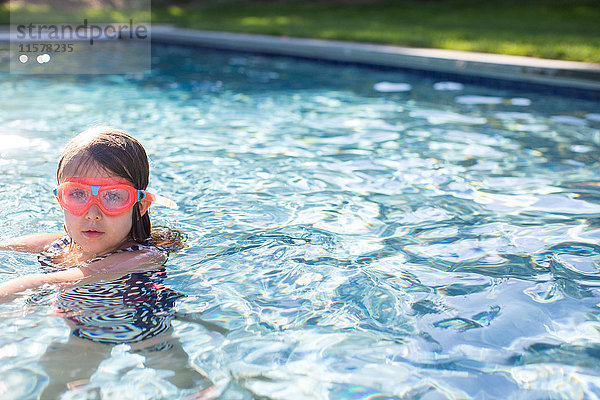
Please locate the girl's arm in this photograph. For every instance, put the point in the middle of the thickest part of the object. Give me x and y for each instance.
(31, 243)
(109, 268)
(118, 264)
(31, 281)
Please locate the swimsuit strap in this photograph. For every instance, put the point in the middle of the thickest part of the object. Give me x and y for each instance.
(46, 257)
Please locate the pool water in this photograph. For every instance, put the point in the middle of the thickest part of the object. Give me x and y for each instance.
(354, 233)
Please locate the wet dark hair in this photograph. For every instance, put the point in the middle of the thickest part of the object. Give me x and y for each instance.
(117, 152)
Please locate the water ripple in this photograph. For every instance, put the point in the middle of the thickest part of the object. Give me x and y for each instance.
(353, 232)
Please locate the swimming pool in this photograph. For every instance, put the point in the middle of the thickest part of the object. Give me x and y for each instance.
(354, 233)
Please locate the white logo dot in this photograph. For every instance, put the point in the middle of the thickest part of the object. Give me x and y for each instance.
(43, 58)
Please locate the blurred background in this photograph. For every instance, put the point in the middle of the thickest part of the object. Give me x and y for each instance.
(555, 29)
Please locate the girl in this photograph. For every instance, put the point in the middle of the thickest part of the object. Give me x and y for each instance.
(102, 176)
(109, 265)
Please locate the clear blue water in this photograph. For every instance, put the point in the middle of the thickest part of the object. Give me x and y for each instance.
(349, 237)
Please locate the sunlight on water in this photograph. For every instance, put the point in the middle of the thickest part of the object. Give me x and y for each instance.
(353, 233)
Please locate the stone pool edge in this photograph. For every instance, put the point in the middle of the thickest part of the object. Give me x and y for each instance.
(555, 73)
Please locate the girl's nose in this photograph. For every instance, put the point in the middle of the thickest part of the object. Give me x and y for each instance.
(93, 212)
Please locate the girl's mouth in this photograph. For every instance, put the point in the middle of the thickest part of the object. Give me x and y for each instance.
(91, 234)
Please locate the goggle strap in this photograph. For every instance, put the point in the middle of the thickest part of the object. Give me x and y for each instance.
(163, 201)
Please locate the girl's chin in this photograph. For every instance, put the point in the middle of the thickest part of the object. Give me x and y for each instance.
(96, 245)
(90, 245)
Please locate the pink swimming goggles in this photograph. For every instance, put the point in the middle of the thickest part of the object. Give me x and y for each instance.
(112, 196)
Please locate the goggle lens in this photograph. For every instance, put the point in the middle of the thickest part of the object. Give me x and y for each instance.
(112, 199)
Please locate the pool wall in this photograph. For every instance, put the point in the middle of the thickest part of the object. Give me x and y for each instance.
(560, 77)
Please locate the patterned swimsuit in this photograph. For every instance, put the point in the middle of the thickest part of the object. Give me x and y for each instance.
(130, 309)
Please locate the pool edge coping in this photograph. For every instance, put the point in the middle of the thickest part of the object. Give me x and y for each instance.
(560, 73)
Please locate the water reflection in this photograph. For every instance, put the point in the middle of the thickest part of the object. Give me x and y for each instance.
(345, 242)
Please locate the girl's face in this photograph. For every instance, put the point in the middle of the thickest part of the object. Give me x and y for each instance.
(95, 232)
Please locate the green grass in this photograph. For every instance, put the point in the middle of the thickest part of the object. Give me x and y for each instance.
(43, 14)
(557, 29)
